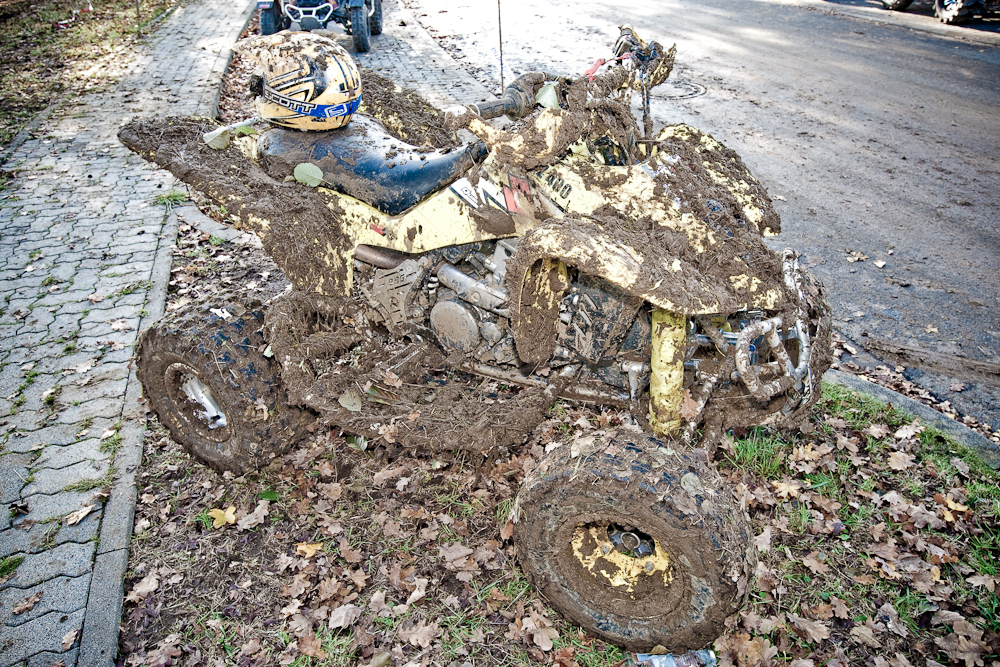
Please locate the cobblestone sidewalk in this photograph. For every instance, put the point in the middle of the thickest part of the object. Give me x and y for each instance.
(84, 262)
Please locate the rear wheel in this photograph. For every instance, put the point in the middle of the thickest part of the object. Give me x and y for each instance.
(896, 5)
(270, 19)
(359, 29)
(638, 544)
(375, 18)
(204, 373)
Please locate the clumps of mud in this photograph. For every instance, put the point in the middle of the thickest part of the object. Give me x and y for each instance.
(335, 361)
(404, 113)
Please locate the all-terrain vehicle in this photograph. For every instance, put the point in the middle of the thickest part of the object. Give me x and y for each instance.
(360, 18)
(950, 11)
(570, 255)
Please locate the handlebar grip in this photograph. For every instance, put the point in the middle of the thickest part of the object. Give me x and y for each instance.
(496, 108)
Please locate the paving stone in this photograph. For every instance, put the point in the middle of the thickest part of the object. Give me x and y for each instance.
(42, 507)
(45, 633)
(48, 658)
(60, 456)
(70, 559)
(65, 594)
(13, 476)
(54, 480)
(108, 408)
(43, 536)
(52, 434)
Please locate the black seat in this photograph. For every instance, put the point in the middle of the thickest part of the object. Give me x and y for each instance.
(364, 161)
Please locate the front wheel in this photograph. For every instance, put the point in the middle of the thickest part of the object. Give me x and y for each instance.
(375, 18)
(896, 5)
(270, 19)
(359, 29)
(204, 373)
(638, 544)
(951, 11)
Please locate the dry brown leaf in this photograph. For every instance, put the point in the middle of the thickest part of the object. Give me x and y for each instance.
(255, 518)
(69, 639)
(957, 386)
(383, 476)
(420, 634)
(419, 590)
(839, 608)
(763, 541)
(961, 647)
(787, 488)
(865, 635)
(79, 515)
(146, 585)
(689, 410)
(887, 614)
(95, 298)
(349, 554)
(311, 646)
(120, 325)
(984, 580)
(28, 604)
(456, 553)
(307, 549)
(392, 380)
(877, 431)
(344, 616)
(542, 637)
(507, 531)
(813, 563)
(901, 460)
(908, 431)
(812, 631)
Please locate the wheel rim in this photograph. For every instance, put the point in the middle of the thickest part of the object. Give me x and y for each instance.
(624, 561)
(196, 404)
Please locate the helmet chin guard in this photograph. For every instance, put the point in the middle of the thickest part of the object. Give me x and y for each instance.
(309, 81)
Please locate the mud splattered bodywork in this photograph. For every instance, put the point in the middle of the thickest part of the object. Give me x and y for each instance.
(675, 225)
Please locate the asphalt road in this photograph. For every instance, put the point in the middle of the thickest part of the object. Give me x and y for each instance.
(876, 132)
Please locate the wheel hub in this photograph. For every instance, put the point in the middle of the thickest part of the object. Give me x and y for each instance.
(621, 558)
(197, 403)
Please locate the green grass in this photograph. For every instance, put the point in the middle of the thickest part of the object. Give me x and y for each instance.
(216, 241)
(9, 564)
(760, 452)
(103, 482)
(171, 199)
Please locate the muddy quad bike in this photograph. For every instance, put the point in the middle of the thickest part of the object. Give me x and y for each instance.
(950, 11)
(361, 18)
(567, 256)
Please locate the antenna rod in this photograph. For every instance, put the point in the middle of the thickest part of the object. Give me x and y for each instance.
(500, 30)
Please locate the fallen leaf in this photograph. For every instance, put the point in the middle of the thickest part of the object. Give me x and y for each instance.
(813, 631)
(222, 517)
(958, 386)
(308, 550)
(120, 325)
(420, 634)
(787, 489)
(453, 553)
(542, 637)
(814, 564)
(146, 585)
(255, 518)
(880, 263)
(763, 541)
(990, 583)
(419, 591)
(901, 460)
(839, 608)
(69, 639)
(28, 604)
(349, 554)
(344, 616)
(95, 298)
(392, 380)
(908, 431)
(78, 516)
(865, 635)
(887, 614)
(930, 328)
(877, 430)
(311, 646)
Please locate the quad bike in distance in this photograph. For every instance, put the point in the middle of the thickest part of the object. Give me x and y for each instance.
(572, 255)
(950, 11)
(361, 18)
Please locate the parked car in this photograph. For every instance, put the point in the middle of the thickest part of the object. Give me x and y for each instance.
(361, 18)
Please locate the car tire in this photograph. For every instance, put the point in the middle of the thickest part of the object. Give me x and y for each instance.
(896, 5)
(375, 18)
(951, 12)
(270, 20)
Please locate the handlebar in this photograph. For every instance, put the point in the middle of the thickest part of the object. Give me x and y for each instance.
(518, 98)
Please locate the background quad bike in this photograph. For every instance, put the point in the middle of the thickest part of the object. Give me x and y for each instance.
(361, 22)
(639, 542)
(949, 11)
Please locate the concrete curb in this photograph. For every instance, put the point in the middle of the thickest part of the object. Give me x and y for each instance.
(988, 451)
(230, 39)
(99, 639)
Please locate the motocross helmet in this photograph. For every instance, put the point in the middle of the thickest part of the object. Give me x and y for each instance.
(309, 81)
